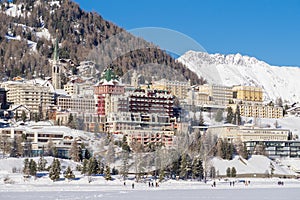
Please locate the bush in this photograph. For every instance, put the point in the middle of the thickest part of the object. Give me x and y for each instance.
(8, 180)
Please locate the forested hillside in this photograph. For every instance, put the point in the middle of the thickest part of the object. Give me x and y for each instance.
(30, 27)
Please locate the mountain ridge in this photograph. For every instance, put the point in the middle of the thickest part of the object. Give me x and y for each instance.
(236, 69)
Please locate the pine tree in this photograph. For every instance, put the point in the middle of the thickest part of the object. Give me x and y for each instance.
(197, 168)
(87, 154)
(233, 172)
(54, 170)
(124, 168)
(42, 164)
(185, 166)
(69, 173)
(5, 144)
(228, 172)
(114, 171)
(107, 175)
(85, 166)
(26, 170)
(237, 117)
(71, 121)
(161, 175)
(125, 146)
(75, 151)
(93, 166)
(229, 118)
(219, 115)
(212, 172)
(17, 149)
(32, 167)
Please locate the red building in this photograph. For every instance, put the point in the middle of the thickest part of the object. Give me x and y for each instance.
(107, 86)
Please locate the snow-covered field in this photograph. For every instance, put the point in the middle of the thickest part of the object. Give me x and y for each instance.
(257, 189)
(99, 188)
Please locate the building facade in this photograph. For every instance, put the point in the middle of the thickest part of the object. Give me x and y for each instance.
(36, 97)
(107, 87)
(151, 102)
(235, 133)
(247, 93)
(177, 88)
(219, 95)
(76, 104)
(276, 149)
(260, 110)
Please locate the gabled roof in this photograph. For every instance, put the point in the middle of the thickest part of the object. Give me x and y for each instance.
(15, 107)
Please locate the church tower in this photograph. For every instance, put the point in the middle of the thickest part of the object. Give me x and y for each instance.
(56, 70)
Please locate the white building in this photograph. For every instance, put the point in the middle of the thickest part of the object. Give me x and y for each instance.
(37, 95)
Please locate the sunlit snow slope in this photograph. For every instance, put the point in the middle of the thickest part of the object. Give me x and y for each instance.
(244, 70)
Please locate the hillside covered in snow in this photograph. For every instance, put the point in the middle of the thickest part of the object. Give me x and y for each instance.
(244, 70)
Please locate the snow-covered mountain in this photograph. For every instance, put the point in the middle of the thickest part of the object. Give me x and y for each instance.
(244, 70)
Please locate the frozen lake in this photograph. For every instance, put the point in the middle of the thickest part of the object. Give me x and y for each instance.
(279, 193)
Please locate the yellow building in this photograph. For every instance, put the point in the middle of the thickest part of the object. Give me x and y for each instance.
(247, 93)
(177, 88)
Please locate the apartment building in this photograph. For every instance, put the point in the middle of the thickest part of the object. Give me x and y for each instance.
(117, 123)
(276, 149)
(76, 104)
(233, 133)
(177, 88)
(146, 137)
(197, 98)
(247, 93)
(260, 110)
(151, 101)
(37, 95)
(79, 87)
(219, 95)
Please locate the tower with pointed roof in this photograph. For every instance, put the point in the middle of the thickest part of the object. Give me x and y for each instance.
(56, 69)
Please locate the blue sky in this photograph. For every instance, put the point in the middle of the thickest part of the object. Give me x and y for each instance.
(266, 29)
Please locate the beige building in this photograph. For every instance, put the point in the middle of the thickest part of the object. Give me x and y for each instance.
(219, 95)
(78, 87)
(247, 93)
(177, 88)
(260, 111)
(37, 95)
(76, 104)
(249, 133)
(198, 98)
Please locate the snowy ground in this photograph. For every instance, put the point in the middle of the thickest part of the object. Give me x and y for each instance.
(62, 190)
(44, 188)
